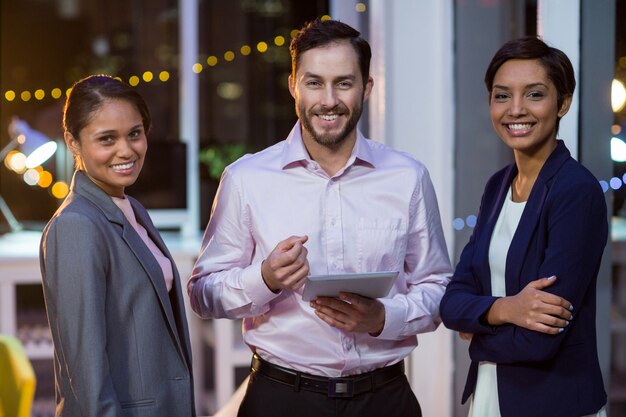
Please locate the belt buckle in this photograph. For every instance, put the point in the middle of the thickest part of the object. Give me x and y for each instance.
(340, 388)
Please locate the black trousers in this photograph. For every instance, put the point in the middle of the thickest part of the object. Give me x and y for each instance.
(267, 398)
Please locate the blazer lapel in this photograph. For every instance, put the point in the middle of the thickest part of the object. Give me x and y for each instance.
(521, 239)
(82, 185)
(530, 218)
(151, 266)
(482, 247)
(175, 311)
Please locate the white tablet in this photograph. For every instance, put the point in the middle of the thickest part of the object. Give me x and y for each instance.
(368, 284)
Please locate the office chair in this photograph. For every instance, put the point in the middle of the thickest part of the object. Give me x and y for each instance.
(17, 379)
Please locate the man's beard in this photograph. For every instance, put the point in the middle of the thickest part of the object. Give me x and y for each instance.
(330, 140)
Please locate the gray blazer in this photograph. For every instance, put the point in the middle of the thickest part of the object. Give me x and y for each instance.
(121, 342)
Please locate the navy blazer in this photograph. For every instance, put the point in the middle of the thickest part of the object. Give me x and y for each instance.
(121, 341)
(563, 231)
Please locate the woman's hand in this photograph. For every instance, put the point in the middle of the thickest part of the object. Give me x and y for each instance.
(533, 309)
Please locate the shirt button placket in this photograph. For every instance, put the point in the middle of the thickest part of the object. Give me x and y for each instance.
(334, 227)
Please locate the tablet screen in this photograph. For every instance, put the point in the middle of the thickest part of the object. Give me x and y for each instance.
(368, 284)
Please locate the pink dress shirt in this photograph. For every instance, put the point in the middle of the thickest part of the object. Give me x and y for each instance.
(377, 213)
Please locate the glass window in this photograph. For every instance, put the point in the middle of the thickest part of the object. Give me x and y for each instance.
(243, 65)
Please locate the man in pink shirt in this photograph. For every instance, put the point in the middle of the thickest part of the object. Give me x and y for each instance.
(325, 200)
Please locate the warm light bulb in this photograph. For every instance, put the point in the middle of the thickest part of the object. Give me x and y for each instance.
(261, 47)
(7, 159)
(616, 129)
(618, 96)
(17, 162)
(45, 179)
(59, 190)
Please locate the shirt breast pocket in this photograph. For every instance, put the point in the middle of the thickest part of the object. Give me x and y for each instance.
(381, 244)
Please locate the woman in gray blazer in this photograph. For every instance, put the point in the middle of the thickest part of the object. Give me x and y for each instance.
(113, 295)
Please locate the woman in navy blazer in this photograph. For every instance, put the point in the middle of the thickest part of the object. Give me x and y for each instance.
(524, 290)
(113, 295)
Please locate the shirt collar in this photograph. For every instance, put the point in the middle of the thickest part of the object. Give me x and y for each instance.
(295, 153)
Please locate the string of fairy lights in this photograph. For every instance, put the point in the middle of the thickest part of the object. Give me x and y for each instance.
(38, 176)
(149, 76)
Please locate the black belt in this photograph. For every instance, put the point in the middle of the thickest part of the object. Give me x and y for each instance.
(333, 387)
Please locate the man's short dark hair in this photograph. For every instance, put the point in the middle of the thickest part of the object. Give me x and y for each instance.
(323, 32)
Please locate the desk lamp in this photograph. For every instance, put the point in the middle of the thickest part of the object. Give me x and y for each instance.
(37, 148)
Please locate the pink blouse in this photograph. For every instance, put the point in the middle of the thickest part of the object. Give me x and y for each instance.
(164, 262)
